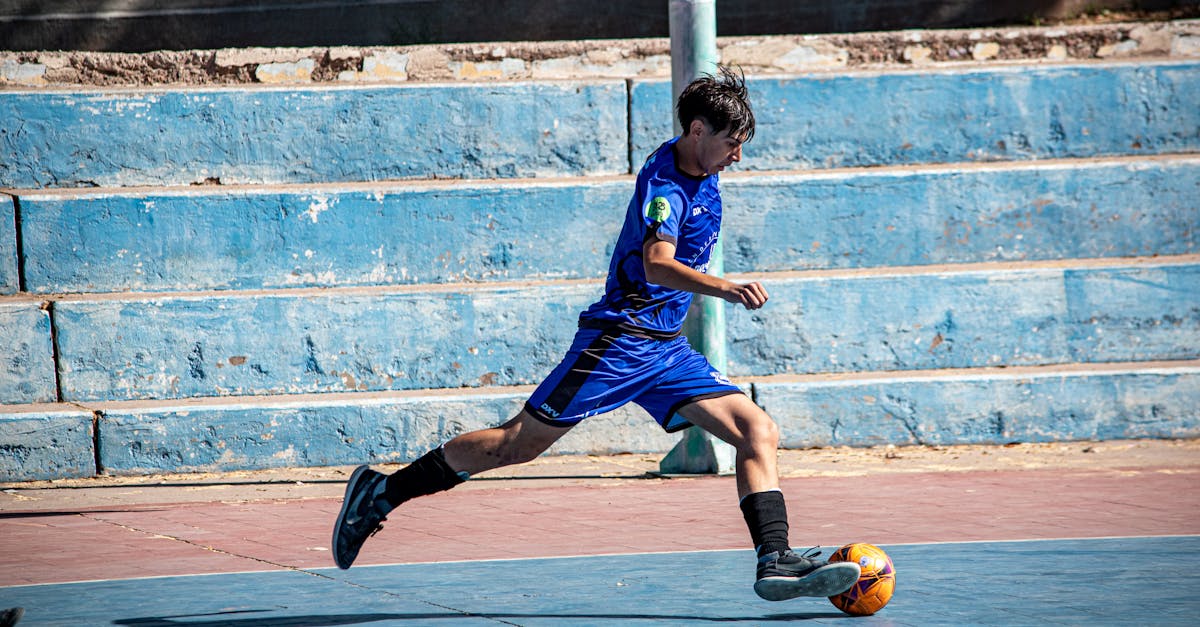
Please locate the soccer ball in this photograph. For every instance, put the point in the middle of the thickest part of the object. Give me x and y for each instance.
(874, 587)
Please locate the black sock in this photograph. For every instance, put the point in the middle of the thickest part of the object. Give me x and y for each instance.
(427, 475)
(766, 516)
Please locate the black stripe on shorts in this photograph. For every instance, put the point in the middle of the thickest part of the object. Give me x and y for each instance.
(570, 384)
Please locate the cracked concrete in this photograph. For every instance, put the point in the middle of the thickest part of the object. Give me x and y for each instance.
(591, 59)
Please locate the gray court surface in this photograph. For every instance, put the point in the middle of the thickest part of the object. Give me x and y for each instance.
(1112, 581)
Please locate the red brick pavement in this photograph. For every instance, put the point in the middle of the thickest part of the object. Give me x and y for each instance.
(507, 520)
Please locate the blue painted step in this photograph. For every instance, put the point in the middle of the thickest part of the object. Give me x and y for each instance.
(1079, 403)
(263, 135)
(9, 278)
(26, 354)
(46, 442)
(385, 234)
(991, 408)
(1001, 212)
(350, 429)
(975, 318)
(112, 139)
(287, 343)
(239, 344)
(937, 116)
(389, 234)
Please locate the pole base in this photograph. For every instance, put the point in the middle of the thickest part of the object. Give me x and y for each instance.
(698, 453)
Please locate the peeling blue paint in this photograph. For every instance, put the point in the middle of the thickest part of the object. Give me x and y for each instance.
(36, 445)
(10, 281)
(387, 235)
(26, 355)
(1023, 213)
(315, 432)
(229, 345)
(940, 116)
(252, 135)
(1000, 318)
(1131, 314)
(986, 409)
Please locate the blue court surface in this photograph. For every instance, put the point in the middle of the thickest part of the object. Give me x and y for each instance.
(1112, 581)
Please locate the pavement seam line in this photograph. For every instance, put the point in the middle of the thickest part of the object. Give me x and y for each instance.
(206, 547)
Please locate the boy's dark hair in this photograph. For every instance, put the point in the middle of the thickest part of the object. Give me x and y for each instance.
(721, 100)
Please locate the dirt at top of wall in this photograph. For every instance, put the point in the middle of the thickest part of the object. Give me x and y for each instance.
(634, 58)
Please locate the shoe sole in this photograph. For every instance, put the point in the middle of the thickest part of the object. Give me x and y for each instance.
(825, 581)
(337, 525)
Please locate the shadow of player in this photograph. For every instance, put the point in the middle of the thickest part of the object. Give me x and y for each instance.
(226, 619)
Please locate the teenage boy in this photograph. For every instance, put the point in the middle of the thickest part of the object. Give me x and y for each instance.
(629, 348)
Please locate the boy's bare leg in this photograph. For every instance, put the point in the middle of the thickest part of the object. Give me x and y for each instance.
(745, 426)
(370, 495)
(517, 441)
(782, 574)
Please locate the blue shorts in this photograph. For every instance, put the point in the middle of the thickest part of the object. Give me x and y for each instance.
(604, 370)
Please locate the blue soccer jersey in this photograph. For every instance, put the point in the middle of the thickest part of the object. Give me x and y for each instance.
(628, 348)
(669, 205)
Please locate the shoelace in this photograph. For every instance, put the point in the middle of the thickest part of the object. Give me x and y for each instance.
(808, 553)
(378, 525)
(811, 552)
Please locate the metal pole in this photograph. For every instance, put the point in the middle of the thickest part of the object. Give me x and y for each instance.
(693, 53)
(693, 25)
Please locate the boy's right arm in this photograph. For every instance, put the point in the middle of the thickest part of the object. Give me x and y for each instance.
(658, 259)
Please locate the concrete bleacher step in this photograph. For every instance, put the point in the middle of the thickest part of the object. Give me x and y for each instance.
(985, 405)
(584, 128)
(990, 406)
(963, 213)
(333, 235)
(10, 280)
(995, 113)
(396, 233)
(168, 136)
(1081, 311)
(1030, 313)
(27, 369)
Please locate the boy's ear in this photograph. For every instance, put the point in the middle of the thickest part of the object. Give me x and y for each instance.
(698, 127)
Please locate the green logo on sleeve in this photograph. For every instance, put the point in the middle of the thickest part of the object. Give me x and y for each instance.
(658, 210)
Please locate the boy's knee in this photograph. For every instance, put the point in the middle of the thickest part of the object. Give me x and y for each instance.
(763, 433)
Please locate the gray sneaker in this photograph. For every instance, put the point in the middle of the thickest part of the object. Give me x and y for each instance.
(786, 575)
(11, 616)
(359, 518)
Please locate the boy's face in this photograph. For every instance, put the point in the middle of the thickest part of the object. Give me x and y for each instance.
(717, 151)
